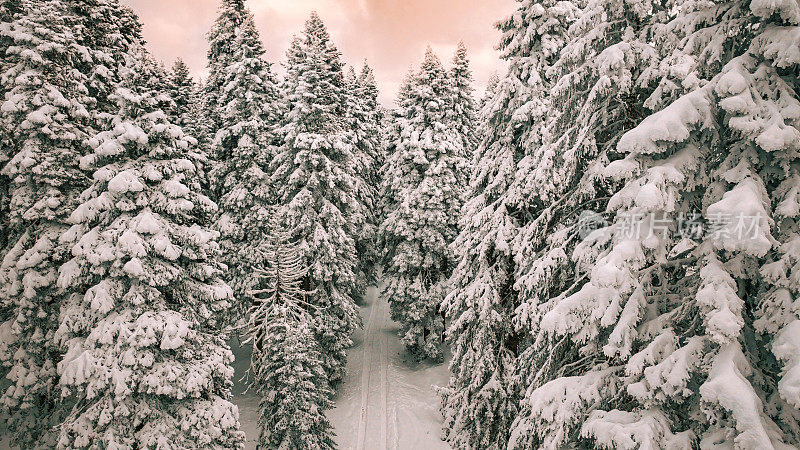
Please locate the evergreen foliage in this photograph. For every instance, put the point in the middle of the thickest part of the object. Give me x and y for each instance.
(246, 113)
(145, 361)
(481, 400)
(314, 175)
(464, 112)
(286, 367)
(58, 71)
(424, 179)
(364, 122)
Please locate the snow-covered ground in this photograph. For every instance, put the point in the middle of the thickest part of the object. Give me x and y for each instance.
(384, 402)
(246, 401)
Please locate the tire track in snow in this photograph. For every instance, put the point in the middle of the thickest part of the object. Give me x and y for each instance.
(369, 338)
(384, 374)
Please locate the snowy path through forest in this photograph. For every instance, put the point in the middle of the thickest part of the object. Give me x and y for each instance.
(384, 402)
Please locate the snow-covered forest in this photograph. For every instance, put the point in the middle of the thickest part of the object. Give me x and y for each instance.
(602, 250)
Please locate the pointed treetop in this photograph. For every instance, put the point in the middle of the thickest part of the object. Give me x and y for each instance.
(232, 4)
(429, 55)
(180, 69)
(405, 86)
(367, 85)
(460, 59)
(432, 66)
(315, 27)
(233, 20)
(294, 52)
(494, 80)
(367, 76)
(350, 77)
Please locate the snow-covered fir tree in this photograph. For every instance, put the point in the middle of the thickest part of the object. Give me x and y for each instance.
(58, 70)
(220, 53)
(491, 90)
(464, 110)
(316, 186)
(368, 90)
(672, 326)
(424, 177)
(364, 122)
(481, 400)
(246, 111)
(183, 91)
(286, 368)
(186, 112)
(405, 88)
(145, 360)
(599, 83)
(44, 123)
(10, 10)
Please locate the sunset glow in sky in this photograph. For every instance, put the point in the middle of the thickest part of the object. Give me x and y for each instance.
(390, 34)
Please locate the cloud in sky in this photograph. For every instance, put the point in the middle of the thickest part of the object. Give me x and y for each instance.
(390, 34)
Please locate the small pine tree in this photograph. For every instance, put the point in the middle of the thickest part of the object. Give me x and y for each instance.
(145, 359)
(286, 366)
(464, 110)
(183, 91)
(368, 92)
(185, 112)
(491, 90)
(316, 184)
(424, 178)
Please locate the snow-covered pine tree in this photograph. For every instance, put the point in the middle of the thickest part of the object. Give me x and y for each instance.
(184, 94)
(186, 112)
(313, 175)
(391, 133)
(246, 112)
(600, 83)
(425, 175)
(368, 90)
(481, 400)
(221, 48)
(43, 123)
(364, 241)
(145, 359)
(286, 368)
(488, 94)
(662, 335)
(692, 335)
(10, 10)
(464, 112)
(405, 88)
(58, 71)
(364, 123)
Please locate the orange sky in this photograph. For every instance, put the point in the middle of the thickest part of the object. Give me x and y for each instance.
(390, 34)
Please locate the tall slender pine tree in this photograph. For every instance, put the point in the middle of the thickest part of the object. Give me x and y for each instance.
(316, 187)
(481, 400)
(464, 109)
(286, 367)
(246, 112)
(424, 180)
